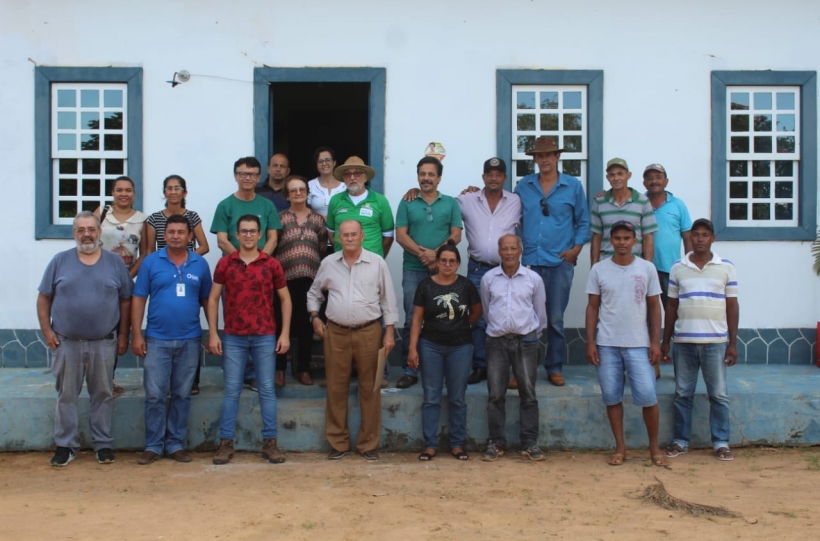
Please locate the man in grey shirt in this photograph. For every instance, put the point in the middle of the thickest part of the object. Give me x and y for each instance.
(84, 293)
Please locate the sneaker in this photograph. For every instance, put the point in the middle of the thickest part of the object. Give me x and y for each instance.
(251, 384)
(225, 452)
(337, 455)
(534, 453)
(477, 376)
(105, 456)
(371, 456)
(62, 456)
(493, 453)
(406, 381)
(271, 452)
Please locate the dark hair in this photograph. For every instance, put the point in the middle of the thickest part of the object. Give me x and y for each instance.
(448, 246)
(430, 159)
(123, 177)
(323, 149)
(181, 183)
(248, 161)
(178, 219)
(104, 209)
(249, 218)
(297, 177)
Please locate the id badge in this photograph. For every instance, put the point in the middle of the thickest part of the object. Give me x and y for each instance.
(180, 290)
(366, 212)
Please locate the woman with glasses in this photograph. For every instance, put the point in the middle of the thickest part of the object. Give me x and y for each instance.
(325, 186)
(175, 190)
(441, 346)
(302, 242)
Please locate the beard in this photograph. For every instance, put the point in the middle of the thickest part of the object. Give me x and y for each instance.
(86, 247)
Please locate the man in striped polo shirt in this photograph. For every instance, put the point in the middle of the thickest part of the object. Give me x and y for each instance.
(703, 312)
(621, 203)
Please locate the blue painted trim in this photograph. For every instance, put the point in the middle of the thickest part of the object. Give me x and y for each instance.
(594, 79)
(263, 107)
(807, 170)
(43, 177)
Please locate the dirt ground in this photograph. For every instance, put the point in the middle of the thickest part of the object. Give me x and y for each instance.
(569, 496)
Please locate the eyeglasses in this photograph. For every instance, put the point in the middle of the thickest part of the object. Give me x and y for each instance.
(248, 232)
(84, 230)
(245, 174)
(174, 188)
(448, 262)
(324, 161)
(297, 190)
(545, 210)
(429, 214)
(353, 173)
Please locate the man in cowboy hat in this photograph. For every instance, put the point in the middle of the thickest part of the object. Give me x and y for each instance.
(358, 203)
(555, 228)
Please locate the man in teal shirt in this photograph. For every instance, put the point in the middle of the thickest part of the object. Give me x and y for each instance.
(422, 225)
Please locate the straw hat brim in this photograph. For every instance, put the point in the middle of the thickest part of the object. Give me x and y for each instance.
(340, 171)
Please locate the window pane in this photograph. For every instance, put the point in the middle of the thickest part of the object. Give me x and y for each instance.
(526, 100)
(549, 122)
(112, 98)
(786, 144)
(549, 100)
(114, 167)
(526, 122)
(66, 121)
(761, 168)
(763, 100)
(91, 167)
(740, 101)
(785, 101)
(572, 143)
(785, 123)
(572, 122)
(571, 167)
(572, 100)
(761, 211)
(66, 141)
(524, 168)
(760, 190)
(740, 122)
(89, 98)
(67, 209)
(740, 145)
(109, 186)
(90, 142)
(66, 98)
(68, 167)
(68, 186)
(738, 211)
(113, 141)
(763, 145)
(525, 143)
(783, 189)
(783, 168)
(783, 211)
(763, 122)
(91, 187)
(738, 168)
(90, 121)
(90, 206)
(738, 190)
(113, 121)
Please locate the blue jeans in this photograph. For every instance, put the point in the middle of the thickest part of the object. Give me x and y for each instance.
(475, 272)
(235, 352)
(522, 354)
(688, 358)
(170, 365)
(438, 363)
(557, 283)
(613, 361)
(410, 281)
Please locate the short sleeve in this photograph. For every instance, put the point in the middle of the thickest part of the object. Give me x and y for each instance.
(402, 219)
(220, 223)
(220, 276)
(474, 297)
(672, 290)
(595, 222)
(387, 223)
(593, 285)
(455, 215)
(654, 285)
(272, 218)
(194, 218)
(421, 293)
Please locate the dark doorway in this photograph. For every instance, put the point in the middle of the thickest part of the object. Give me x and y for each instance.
(309, 115)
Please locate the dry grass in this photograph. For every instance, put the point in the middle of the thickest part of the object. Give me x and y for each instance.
(658, 495)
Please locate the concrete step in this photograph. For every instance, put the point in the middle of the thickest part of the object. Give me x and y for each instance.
(771, 404)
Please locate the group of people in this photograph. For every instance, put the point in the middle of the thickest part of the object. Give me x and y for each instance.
(303, 257)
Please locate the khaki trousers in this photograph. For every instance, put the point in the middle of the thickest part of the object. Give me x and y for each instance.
(343, 348)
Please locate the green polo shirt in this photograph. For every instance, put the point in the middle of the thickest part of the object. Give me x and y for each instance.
(636, 209)
(230, 209)
(428, 225)
(373, 212)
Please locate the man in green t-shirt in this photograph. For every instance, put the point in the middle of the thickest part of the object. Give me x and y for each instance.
(367, 207)
(422, 225)
(244, 201)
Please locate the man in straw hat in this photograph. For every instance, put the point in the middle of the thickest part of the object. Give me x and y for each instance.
(555, 228)
(358, 203)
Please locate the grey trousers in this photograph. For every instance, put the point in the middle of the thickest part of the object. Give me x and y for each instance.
(76, 361)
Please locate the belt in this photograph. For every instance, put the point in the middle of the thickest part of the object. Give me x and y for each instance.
(491, 265)
(109, 336)
(354, 327)
(511, 336)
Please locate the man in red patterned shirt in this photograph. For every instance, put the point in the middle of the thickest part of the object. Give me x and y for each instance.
(249, 279)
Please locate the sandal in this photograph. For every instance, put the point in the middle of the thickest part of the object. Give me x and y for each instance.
(616, 460)
(460, 455)
(660, 461)
(426, 457)
(724, 453)
(675, 450)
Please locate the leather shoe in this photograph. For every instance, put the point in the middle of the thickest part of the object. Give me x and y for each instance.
(180, 456)
(406, 381)
(556, 379)
(279, 378)
(304, 378)
(477, 376)
(513, 384)
(147, 457)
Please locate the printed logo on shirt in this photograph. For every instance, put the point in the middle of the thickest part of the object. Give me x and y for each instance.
(639, 286)
(341, 210)
(193, 277)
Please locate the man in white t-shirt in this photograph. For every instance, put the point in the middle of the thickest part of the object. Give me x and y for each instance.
(623, 290)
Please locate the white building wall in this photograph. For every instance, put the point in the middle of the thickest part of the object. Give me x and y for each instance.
(441, 60)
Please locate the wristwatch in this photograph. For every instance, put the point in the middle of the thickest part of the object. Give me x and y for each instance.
(313, 316)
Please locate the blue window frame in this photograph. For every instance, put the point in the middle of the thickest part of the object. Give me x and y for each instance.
(762, 190)
(100, 117)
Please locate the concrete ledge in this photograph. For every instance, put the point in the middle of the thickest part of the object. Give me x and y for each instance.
(775, 404)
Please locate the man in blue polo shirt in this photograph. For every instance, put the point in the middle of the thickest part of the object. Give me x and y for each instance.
(178, 282)
(555, 228)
